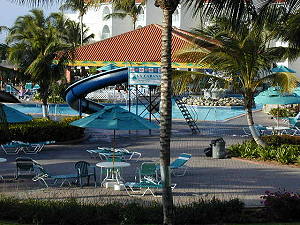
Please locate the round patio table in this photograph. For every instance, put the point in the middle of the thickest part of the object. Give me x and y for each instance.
(112, 171)
(1, 161)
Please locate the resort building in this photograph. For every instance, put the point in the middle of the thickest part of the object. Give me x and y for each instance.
(182, 18)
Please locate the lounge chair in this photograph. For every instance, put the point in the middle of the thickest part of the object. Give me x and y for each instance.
(141, 188)
(179, 164)
(24, 165)
(261, 130)
(104, 153)
(32, 148)
(82, 168)
(42, 175)
(13, 148)
(294, 125)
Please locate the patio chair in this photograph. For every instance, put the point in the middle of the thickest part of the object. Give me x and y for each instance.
(42, 176)
(141, 188)
(294, 125)
(179, 164)
(32, 148)
(147, 171)
(261, 130)
(82, 168)
(12, 148)
(24, 165)
(129, 155)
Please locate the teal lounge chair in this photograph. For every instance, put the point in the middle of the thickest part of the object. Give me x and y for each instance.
(42, 176)
(13, 148)
(179, 164)
(141, 188)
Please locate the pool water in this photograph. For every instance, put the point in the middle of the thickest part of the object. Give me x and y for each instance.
(198, 112)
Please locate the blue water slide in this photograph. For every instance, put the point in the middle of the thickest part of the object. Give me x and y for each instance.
(75, 93)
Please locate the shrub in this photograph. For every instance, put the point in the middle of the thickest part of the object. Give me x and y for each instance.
(282, 205)
(42, 130)
(73, 212)
(283, 112)
(284, 153)
(278, 140)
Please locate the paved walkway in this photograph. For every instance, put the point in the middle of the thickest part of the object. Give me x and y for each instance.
(221, 178)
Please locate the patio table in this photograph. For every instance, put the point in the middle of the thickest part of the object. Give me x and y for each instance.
(112, 172)
(1, 161)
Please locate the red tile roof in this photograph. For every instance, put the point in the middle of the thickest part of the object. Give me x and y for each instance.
(141, 45)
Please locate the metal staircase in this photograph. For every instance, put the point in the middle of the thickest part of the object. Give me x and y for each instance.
(186, 114)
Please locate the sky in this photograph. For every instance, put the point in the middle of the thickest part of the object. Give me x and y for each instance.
(10, 11)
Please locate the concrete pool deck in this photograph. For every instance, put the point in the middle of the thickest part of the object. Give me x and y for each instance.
(207, 177)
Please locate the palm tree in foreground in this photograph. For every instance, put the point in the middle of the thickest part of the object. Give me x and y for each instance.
(246, 56)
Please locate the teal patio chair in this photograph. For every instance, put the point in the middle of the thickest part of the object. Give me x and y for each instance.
(83, 170)
(141, 188)
(13, 148)
(24, 166)
(147, 172)
(179, 164)
(42, 176)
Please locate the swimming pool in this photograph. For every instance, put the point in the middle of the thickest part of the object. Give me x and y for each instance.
(200, 112)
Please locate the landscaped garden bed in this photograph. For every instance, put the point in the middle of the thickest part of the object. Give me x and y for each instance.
(39, 130)
(284, 149)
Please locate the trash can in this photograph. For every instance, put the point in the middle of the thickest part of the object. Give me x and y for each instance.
(218, 148)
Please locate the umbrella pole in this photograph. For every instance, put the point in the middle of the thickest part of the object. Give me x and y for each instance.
(277, 116)
(114, 146)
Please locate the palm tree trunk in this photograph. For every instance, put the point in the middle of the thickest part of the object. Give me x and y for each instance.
(166, 116)
(81, 30)
(249, 114)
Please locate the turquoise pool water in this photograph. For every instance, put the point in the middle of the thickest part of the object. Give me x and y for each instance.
(200, 112)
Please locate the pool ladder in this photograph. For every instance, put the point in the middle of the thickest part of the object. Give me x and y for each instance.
(187, 115)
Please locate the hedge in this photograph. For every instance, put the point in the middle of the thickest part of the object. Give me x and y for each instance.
(41, 130)
(71, 211)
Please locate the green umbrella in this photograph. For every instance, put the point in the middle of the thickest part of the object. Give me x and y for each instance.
(282, 69)
(115, 118)
(273, 96)
(14, 116)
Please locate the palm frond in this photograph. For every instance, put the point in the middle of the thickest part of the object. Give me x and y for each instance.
(287, 81)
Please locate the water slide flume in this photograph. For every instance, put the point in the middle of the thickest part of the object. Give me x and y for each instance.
(75, 94)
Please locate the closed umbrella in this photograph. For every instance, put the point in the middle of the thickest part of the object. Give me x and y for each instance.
(115, 118)
(273, 96)
(13, 115)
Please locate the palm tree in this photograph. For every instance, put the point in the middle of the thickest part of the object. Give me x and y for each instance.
(35, 43)
(70, 30)
(245, 55)
(72, 34)
(82, 7)
(125, 8)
